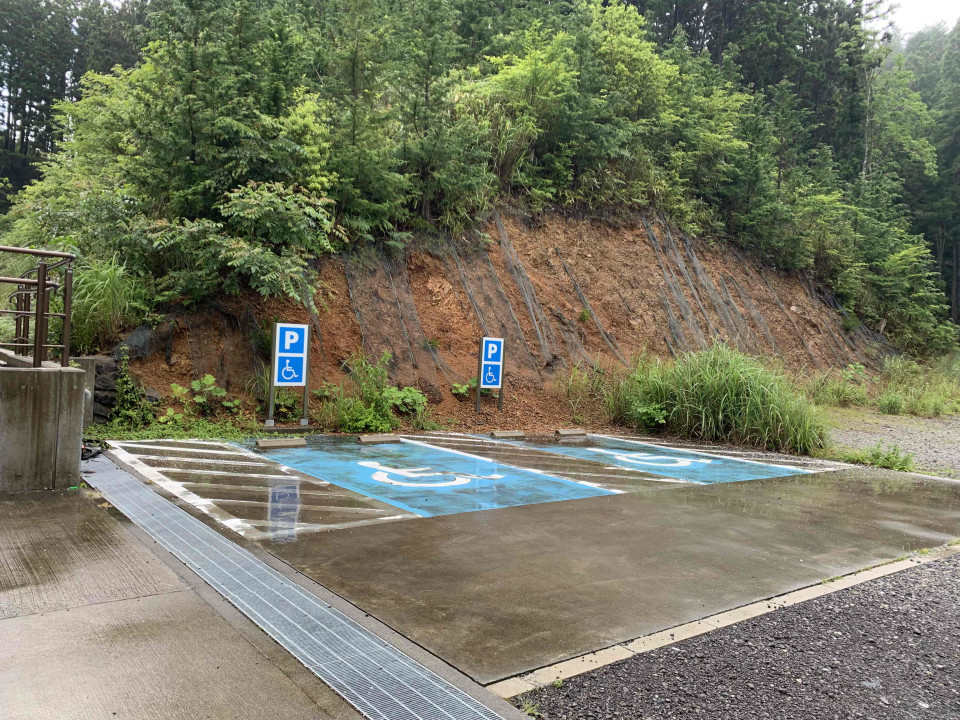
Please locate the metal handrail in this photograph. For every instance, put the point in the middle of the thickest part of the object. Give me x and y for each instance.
(31, 300)
(27, 281)
(34, 251)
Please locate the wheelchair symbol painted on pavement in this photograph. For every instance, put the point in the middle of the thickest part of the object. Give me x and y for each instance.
(642, 458)
(383, 475)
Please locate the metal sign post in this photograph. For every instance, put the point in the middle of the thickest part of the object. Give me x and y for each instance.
(490, 369)
(290, 364)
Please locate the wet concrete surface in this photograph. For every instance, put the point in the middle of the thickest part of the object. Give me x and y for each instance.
(94, 624)
(250, 494)
(500, 592)
(58, 550)
(503, 591)
(152, 658)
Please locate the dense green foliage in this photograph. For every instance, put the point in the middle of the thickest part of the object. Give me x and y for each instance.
(106, 299)
(370, 405)
(247, 138)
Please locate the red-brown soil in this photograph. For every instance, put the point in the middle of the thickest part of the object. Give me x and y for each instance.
(562, 292)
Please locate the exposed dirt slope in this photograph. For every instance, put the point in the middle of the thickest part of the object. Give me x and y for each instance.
(562, 292)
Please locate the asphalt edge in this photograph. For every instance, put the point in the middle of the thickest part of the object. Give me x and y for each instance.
(520, 684)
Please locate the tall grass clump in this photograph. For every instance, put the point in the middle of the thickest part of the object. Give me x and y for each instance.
(720, 395)
(107, 300)
(926, 390)
(843, 389)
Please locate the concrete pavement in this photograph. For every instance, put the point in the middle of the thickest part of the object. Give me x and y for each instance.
(502, 592)
(97, 625)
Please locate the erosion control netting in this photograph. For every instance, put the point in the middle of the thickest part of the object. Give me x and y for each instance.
(694, 299)
(730, 314)
(493, 309)
(381, 296)
(607, 337)
(728, 310)
(546, 338)
(755, 314)
(857, 340)
(699, 340)
(672, 254)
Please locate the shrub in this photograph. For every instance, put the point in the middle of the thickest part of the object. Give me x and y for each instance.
(371, 408)
(890, 403)
(927, 390)
(203, 395)
(646, 415)
(575, 387)
(106, 301)
(355, 417)
(7, 328)
(891, 457)
(132, 410)
(718, 394)
(409, 400)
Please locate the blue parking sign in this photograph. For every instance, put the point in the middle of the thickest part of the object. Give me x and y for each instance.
(492, 350)
(291, 339)
(490, 375)
(491, 363)
(290, 355)
(289, 371)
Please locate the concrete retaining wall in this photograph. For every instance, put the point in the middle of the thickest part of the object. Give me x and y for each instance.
(41, 426)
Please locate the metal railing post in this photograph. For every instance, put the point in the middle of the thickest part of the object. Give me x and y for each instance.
(27, 306)
(39, 325)
(67, 300)
(19, 334)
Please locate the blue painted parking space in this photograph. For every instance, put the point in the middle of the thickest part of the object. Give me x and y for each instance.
(677, 463)
(428, 480)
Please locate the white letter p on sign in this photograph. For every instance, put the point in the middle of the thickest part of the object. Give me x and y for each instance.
(289, 338)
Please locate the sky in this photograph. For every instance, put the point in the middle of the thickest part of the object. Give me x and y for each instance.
(914, 15)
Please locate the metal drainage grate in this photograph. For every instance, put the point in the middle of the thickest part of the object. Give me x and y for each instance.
(373, 676)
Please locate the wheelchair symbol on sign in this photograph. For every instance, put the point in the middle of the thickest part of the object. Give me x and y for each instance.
(641, 458)
(287, 372)
(383, 475)
(491, 377)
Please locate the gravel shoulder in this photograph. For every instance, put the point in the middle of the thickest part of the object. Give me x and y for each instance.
(886, 649)
(934, 442)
